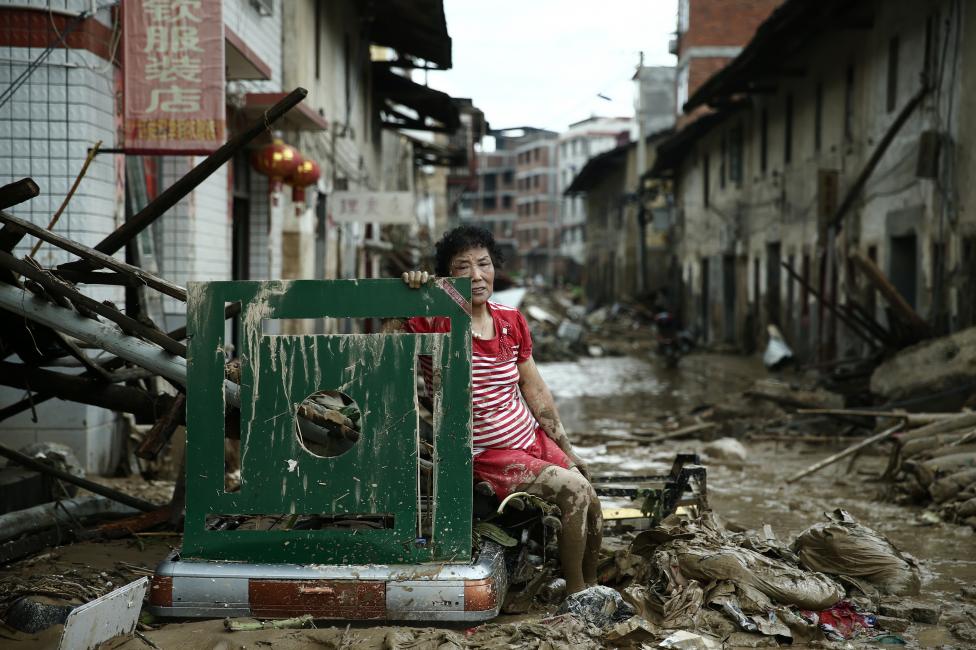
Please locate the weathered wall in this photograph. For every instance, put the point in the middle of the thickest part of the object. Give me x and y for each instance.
(778, 207)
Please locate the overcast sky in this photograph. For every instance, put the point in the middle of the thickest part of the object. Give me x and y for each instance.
(543, 62)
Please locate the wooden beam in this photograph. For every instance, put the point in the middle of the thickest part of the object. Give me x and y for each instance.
(17, 192)
(898, 304)
(57, 287)
(96, 258)
(155, 441)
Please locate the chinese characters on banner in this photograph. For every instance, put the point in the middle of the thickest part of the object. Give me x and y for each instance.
(372, 207)
(174, 76)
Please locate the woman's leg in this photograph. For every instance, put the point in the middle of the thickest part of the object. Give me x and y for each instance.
(594, 537)
(574, 496)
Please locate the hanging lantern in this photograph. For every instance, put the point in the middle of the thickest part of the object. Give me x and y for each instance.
(307, 173)
(277, 161)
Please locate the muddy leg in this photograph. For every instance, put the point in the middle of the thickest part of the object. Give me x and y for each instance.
(594, 537)
(568, 490)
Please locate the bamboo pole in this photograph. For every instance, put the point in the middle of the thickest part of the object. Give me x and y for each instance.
(830, 460)
(67, 199)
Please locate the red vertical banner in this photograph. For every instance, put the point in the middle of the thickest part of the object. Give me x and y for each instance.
(174, 76)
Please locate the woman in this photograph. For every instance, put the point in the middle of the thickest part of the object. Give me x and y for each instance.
(519, 444)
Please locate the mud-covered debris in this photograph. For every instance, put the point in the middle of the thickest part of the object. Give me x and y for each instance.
(598, 606)
(928, 368)
(845, 548)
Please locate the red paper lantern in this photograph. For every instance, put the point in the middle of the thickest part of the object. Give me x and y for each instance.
(277, 161)
(307, 173)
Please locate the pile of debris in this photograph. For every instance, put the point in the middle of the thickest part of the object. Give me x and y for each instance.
(934, 463)
(562, 330)
(750, 589)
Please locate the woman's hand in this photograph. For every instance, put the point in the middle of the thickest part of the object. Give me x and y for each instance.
(577, 464)
(414, 279)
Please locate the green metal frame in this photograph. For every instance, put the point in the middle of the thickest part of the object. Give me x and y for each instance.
(379, 474)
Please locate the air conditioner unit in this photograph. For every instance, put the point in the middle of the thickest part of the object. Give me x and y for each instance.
(673, 46)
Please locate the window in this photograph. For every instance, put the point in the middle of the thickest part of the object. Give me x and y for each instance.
(735, 155)
(849, 105)
(763, 140)
(705, 172)
(931, 51)
(723, 155)
(788, 130)
(507, 202)
(818, 117)
(893, 45)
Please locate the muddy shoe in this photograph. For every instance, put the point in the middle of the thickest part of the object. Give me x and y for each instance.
(598, 606)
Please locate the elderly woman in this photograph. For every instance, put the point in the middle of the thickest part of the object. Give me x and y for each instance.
(519, 444)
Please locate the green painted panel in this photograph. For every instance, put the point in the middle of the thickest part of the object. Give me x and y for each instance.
(379, 474)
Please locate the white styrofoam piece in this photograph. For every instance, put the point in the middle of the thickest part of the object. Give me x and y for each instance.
(104, 618)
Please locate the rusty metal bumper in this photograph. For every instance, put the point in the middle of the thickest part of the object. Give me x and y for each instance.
(423, 592)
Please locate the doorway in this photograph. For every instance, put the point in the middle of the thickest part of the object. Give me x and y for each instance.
(903, 267)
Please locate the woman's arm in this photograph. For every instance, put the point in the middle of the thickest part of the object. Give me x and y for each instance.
(539, 399)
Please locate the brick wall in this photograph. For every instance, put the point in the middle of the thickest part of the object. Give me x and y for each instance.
(724, 22)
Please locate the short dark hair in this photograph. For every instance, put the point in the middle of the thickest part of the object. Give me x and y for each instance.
(461, 239)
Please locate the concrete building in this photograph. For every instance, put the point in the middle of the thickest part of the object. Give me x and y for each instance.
(710, 33)
(231, 226)
(822, 93)
(580, 142)
(537, 203)
(625, 247)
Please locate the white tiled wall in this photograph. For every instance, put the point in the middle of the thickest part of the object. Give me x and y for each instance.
(66, 105)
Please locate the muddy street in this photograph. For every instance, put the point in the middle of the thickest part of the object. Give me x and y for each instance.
(603, 400)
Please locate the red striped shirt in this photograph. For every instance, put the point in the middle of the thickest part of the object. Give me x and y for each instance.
(501, 418)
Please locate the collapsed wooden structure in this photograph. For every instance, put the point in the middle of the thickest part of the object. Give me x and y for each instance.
(45, 318)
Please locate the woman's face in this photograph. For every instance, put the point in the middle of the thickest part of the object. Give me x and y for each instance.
(475, 263)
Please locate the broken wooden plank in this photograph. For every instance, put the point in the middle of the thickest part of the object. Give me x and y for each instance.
(830, 460)
(155, 441)
(97, 259)
(843, 317)
(677, 433)
(91, 486)
(910, 418)
(175, 192)
(17, 192)
(132, 525)
(78, 299)
(84, 390)
(892, 296)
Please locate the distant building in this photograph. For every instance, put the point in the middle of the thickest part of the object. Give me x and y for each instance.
(842, 132)
(578, 144)
(654, 104)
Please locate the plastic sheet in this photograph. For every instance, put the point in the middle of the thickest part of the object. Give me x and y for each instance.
(845, 548)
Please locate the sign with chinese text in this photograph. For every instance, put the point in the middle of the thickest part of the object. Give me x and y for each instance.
(372, 207)
(174, 76)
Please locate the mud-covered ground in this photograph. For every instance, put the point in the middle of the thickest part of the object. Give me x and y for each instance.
(601, 400)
